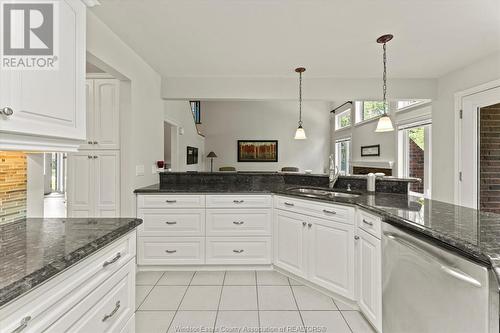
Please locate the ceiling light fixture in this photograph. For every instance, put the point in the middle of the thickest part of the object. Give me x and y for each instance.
(385, 123)
(300, 134)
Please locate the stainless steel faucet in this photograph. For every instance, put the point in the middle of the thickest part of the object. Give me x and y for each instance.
(333, 174)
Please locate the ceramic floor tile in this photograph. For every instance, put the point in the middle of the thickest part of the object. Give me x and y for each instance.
(164, 298)
(357, 322)
(153, 321)
(310, 299)
(238, 298)
(201, 298)
(140, 294)
(176, 279)
(208, 279)
(271, 278)
(280, 321)
(324, 321)
(240, 278)
(276, 298)
(193, 321)
(243, 321)
(345, 306)
(147, 278)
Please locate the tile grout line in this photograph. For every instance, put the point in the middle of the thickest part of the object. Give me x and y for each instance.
(144, 300)
(179, 306)
(258, 307)
(296, 304)
(347, 323)
(220, 299)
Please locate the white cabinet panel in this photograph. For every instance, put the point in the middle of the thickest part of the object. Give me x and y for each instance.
(89, 97)
(171, 250)
(290, 242)
(107, 183)
(80, 184)
(369, 223)
(238, 250)
(239, 222)
(171, 201)
(239, 201)
(106, 114)
(331, 256)
(172, 222)
(334, 212)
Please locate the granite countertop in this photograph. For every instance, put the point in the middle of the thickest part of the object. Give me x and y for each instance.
(34, 250)
(466, 231)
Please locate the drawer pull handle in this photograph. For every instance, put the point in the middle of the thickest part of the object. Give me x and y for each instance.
(112, 261)
(367, 222)
(329, 211)
(170, 201)
(289, 204)
(170, 251)
(238, 201)
(115, 310)
(173, 222)
(238, 222)
(23, 325)
(238, 251)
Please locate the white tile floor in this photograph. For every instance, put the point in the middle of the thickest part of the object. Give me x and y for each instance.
(235, 302)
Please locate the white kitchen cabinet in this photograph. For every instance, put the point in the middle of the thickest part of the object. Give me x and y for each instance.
(331, 255)
(94, 184)
(49, 104)
(369, 261)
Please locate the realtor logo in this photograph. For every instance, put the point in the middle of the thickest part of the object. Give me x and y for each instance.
(28, 36)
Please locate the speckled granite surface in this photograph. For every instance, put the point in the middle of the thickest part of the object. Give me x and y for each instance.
(34, 250)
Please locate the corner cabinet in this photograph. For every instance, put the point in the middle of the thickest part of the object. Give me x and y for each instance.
(48, 106)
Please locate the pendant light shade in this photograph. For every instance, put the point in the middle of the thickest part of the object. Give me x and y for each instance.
(300, 133)
(384, 123)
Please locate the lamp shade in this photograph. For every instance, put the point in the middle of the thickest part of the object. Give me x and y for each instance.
(211, 154)
(300, 134)
(384, 124)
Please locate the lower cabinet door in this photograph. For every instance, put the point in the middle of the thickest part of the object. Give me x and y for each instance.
(331, 255)
(238, 250)
(370, 278)
(171, 250)
(290, 231)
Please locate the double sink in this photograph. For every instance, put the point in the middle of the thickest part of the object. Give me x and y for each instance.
(322, 192)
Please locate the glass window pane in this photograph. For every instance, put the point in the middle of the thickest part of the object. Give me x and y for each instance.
(372, 109)
(416, 157)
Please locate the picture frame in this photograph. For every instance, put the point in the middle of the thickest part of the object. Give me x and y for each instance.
(373, 150)
(191, 155)
(257, 151)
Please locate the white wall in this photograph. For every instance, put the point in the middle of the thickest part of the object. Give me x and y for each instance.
(225, 122)
(443, 121)
(179, 114)
(142, 121)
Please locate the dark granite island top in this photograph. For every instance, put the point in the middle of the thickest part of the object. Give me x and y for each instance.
(36, 249)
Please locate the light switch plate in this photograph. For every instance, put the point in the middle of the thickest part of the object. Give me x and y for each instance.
(139, 170)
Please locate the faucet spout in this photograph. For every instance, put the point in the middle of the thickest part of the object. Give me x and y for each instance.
(333, 174)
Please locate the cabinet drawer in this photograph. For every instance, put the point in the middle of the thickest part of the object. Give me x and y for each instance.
(339, 213)
(239, 222)
(369, 223)
(171, 201)
(171, 250)
(238, 250)
(107, 309)
(172, 222)
(239, 201)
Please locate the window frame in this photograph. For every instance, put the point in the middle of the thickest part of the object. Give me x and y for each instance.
(196, 111)
(339, 115)
(420, 103)
(359, 108)
(349, 154)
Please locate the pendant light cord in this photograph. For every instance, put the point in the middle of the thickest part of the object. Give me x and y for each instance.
(300, 99)
(384, 78)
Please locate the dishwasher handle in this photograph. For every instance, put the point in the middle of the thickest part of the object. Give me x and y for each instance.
(447, 269)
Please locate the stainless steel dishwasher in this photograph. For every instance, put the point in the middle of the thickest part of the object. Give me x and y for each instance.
(427, 289)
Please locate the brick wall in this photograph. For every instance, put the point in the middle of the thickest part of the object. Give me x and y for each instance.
(12, 186)
(489, 157)
(416, 166)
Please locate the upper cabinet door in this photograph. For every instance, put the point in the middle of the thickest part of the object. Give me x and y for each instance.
(51, 103)
(106, 114)
(89, 112)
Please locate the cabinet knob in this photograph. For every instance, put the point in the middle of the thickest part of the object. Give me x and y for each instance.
(356, 237)
(89, 156)
(309, 225)
(6, 111)
(95, 142)
(89, 142)
(304, 224)
(96, 156)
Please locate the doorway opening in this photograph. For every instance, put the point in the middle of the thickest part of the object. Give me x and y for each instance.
(54, 202)
(170, 145)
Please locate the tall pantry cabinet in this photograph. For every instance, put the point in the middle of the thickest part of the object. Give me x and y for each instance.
(94, 171)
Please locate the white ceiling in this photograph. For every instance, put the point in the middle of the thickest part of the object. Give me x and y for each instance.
(331, 38)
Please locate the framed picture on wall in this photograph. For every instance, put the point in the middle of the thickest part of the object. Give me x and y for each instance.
(257, 150)
(192, 155)
(373, 150)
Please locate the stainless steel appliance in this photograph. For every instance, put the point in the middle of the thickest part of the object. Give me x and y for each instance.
(427, 289)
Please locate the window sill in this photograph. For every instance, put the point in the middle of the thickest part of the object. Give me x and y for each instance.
(343, 128)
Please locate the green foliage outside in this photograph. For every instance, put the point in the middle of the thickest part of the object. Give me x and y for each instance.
(345, 120)
(417, 136)
(372, 109)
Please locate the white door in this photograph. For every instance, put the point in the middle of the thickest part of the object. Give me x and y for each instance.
(106, 114)
(370, 277)
(52, 102)
(468, 145)
(80, 184)
(290, 242)
(331, 255)
(107, 183)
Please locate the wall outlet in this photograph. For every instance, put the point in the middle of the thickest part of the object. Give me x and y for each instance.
(139, 170)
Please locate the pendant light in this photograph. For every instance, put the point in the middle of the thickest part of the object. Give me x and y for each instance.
(385, 123)
(300, 134)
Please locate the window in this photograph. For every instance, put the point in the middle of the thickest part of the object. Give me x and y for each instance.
(366, 110)
(403, 105)
(196, 110)
(343, 155)
(343, 119)
(414, 150)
